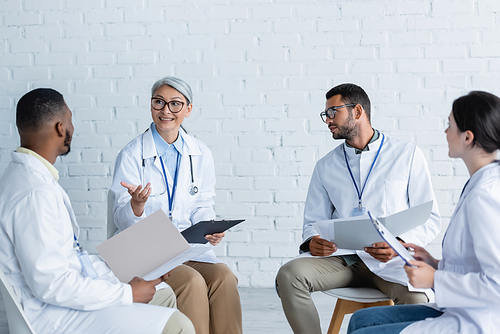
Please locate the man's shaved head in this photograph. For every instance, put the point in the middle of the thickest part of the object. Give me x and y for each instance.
(36, 108)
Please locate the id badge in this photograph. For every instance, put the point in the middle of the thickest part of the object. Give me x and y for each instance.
(358, 211)
(87, 267)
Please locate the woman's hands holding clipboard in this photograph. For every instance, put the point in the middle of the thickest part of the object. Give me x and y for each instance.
(421, 275)
(215, 238)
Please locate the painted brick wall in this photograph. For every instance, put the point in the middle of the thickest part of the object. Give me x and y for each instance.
(259, 70)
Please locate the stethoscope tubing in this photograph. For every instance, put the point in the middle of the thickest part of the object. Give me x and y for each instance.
(193, 189)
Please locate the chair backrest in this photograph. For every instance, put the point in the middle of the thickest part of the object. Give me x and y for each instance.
(111, 227)
(17, 320)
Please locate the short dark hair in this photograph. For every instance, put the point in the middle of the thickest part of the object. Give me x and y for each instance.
(479, 112)
(37, 107)
(351, 93)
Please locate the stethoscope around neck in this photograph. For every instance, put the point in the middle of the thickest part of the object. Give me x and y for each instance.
(192, 189)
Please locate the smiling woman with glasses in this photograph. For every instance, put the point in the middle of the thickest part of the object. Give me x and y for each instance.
(159, 104)
(165, 168)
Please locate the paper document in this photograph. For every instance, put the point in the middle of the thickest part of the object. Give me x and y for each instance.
(391, 240)
(358, 232)
(148, 249)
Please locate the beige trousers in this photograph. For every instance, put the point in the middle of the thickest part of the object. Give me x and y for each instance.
(207, 293)
(299, 277)
(178, 323)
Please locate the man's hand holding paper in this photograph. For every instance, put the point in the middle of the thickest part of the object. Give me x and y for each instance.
(142, 290)
(358, 233)
(381, 251)
(321, 247)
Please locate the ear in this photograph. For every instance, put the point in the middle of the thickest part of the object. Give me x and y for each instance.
(190, 107)
(468, 137)
(61, 131)
(358, 111)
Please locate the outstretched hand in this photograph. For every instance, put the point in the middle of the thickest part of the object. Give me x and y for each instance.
(139, 196)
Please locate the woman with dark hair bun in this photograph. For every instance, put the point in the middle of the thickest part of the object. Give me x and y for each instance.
(467, 280)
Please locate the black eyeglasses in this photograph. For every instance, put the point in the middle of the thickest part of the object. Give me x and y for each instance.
(330, 112)
(173, 106)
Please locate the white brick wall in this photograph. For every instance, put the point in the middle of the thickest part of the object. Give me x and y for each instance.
(259, 70)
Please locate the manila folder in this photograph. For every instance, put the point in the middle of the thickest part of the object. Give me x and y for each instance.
(151, 244)
(357, 233)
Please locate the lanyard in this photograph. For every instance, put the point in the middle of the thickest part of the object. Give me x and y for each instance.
(371, 168)
(77, 243)
(171, 197)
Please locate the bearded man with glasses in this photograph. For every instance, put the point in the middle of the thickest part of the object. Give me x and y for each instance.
(369, 171)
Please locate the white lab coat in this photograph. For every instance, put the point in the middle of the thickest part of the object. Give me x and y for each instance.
(38, 256)
(399, 180)
(137, 163)
(467, 283)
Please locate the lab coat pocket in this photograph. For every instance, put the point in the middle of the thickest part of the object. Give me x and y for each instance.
(157, 180)
(156, 203)
(396, 196)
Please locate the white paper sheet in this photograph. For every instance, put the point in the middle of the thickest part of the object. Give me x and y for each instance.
(393, 242)
(150, 248)
(355, 233)
(176, 261)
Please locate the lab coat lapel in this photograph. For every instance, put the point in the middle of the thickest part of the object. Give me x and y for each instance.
(67, 204)
(184, 174)
(469, 185)
(149, 152)
(148, 144)
(184, 177)
(170, 179)
(190, 147)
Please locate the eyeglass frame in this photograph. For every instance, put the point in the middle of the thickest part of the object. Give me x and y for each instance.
(167, 104)
(334, 111)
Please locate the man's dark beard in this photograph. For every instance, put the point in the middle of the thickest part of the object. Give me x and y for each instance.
(347, 131)
(67, 143)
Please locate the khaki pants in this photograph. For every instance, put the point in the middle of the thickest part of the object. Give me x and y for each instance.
(178, 323)
(299, 277)
(207, 293)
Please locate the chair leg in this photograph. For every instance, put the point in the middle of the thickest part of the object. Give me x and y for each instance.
(383, 303)
(344, 307)
(341, 309)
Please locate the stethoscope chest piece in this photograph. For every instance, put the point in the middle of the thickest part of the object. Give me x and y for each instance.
(193, 190)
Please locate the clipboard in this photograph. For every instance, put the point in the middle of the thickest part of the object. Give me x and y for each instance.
(196, 234)
(392, 241)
